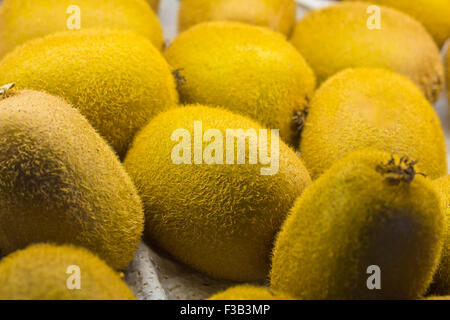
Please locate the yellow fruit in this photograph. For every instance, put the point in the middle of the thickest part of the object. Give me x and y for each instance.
(246, 69)
(48, 272)
(346, 36)
(154, 4)
(60, 182)
(117, 79)
(249, 292)
(219, 218)
(433, 14)
(368, 212)
(437, 298)
(278, 15)
(23, 20)
(360, 108)
(441, 281)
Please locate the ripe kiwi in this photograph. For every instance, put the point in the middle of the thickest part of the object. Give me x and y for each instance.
(361, 108)
(42, 272)
(433, 14)
(249, 292)
(117, 79)
(401, 44)
(217, 218)
(441, 281)
(247, 69)
(369, 209)
(23, 20)
(60, 182)
(278, 15)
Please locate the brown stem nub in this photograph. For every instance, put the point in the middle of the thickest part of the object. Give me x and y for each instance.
(396, 173)
(298, 120)
(4, 89)
(297, 125)
(181, 81)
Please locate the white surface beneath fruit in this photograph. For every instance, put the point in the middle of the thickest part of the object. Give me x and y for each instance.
(153, 277)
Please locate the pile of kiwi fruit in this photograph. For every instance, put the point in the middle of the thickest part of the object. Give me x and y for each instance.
(110, 135)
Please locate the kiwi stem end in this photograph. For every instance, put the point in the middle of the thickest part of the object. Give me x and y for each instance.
(402, 172)
(180, 80)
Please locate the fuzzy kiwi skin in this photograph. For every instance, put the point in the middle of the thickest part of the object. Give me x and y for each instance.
(219, 219)
(117, 79)
(60, 182)
(23, 20)
(39, 273)
(441, 281)
(352, 217)
(247, 69)
(249, 292)
(401, 45)
(433, 14)
(437, 298)
(361, 108)
(278, 15)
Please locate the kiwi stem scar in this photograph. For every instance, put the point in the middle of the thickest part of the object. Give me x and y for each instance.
(403, 171)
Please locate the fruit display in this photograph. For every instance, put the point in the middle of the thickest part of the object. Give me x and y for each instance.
(441, 281)
(278, 15)
(388, 39)
(216, 217)
(271, 88)
(360, 108)
(117, 79)
(56, 181)
(45, 263)
(23, 20)
(387, 215)
(248, 292)
(433, 14)
(224, 150)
